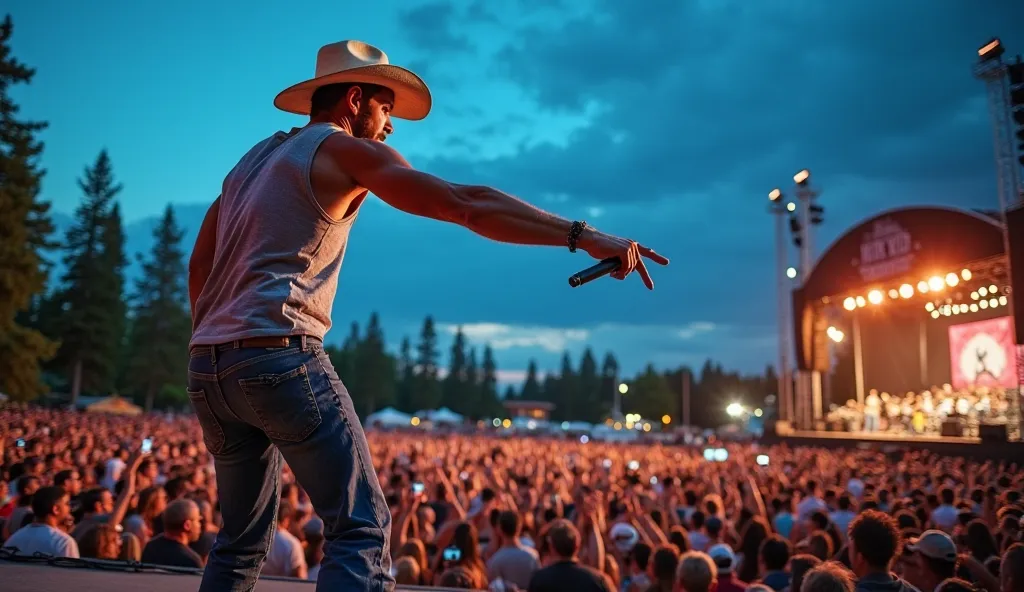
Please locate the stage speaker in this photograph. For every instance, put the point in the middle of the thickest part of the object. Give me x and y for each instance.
(992, 432)
(953, 427)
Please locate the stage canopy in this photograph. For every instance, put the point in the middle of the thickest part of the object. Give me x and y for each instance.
(904, 256)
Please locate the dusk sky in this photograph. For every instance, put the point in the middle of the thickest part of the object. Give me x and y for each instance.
(668, 121)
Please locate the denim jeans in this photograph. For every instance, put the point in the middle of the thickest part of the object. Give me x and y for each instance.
(256, 405)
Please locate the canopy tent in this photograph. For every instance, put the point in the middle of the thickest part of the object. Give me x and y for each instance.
(445, 415)
(389, 416)
(116, 405)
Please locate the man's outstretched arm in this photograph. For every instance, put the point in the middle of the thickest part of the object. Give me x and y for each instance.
(484, 210)
(200, 264)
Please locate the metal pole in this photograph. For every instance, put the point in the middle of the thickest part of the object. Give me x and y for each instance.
(922, 350)
(785, 384)
(858, 361)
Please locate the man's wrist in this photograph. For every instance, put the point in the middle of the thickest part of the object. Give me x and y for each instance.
(587, 238)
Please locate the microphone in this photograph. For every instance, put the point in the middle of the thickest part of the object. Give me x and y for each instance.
(595, 271)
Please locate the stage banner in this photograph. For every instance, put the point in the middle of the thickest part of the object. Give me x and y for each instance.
(983, 354)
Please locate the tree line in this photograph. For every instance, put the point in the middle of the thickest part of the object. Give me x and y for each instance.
(91, 331)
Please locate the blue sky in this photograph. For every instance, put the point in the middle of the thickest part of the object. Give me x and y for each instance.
(665, 120)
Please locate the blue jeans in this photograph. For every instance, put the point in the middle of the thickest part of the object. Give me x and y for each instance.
(257, 404)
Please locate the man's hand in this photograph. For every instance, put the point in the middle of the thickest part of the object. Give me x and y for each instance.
(602, 246)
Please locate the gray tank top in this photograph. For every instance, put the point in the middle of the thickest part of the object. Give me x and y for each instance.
(278, 254)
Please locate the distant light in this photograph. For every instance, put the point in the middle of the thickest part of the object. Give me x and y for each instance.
(1002, 300)
(906, 290)
(966, 274)
(875, 297)
(922, 287)
(647, 427)
(565, 425)
(791, 207)
(935, 283)
(835, 334)
(775, 195)
(791, 272)
(666, 419)
(974, 307)
(861, 302)
(623, 388)
(507, 423)
(531, 425)
(758, 413)
(983, 291)
(983, 304)
(992, 50)
(993, 289)
(734, 410)
(952, 279)
(584, 439)
(629, 425)
(617, 426)
(801, 177)
(929, 307)
(415, 421)
(894, 293)
(496, 423)
(993, 302)
(935, 314)
(975, 295)
(849, 303)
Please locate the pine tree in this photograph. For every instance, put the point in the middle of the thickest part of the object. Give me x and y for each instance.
(489, 404)
(24, 231)
(453, 390)
(609, 380)
(531, 386)
(591, 403)
(472, 386)
(406, 379)
(427, 394)
(375, 381)
(160, 323)
(568, 390)
(90, 320)
(510, 393)
(650, 396)
(113, 294)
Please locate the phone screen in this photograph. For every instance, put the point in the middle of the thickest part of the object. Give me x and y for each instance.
(417, 488)
(763, 460)
(452, 554)
(633, 465)
(147, 445)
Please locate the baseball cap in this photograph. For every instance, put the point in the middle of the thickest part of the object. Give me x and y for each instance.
(723, 557)
(934, 544)
(624, 536)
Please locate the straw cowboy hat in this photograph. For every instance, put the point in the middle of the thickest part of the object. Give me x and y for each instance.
(358, 62)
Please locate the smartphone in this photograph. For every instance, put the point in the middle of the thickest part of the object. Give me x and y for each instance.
(21, 443)
(654, 480)
(763, 460)
(452, 554)
(607, 463)
(633, 465)
(147, 445)
(417, 488)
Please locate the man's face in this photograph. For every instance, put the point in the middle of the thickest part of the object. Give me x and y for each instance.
(373, 121)
(107, 500)
(73, 484)
(194, 524)
(62, 509)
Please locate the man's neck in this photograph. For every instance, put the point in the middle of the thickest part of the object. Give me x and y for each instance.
(180, 537)
(344, 123)
(511, 543)
(51, 521)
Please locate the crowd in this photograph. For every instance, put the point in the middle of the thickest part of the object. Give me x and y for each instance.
(926, 412)
(532, 514)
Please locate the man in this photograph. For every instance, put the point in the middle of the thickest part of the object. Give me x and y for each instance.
(513, 562)
(696, 573)
(262, 281)
(945, 516)
(874, 544)
(52, 508)
(565, 573)
(725, 563)
(183, 525)
(286, 557)
(930, 559)
(843, 516)
(1011, 571)
(775, 552)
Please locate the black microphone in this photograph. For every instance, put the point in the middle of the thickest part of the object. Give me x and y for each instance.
(594, 271)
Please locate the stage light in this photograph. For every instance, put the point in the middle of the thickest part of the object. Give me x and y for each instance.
(993, 302)
(861, 302)
(775, 195)
(849, 303)
(952, 279)
(617, 426)
(966, 275)
(974, 295)
(791, 207)
(1002, 300)
(623, 388)
(929, 307)
(875, 297)
(935, 283)
(496, 423)
(983, 291)
(935, 314)
(802, 177)
(992, 50)
(791, 272)
(993, 289)
(666, 419)
(415, 421)
(758, 413)
(922, 287)
(835, 335)
(647, 427)
(894, 293)
(507, 423)
(983, 304)
(974, 307)
(906, 290)
(734, 409)
(956, 309)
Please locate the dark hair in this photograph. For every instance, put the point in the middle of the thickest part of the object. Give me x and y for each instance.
(45, 499)
(755, 533)
(678, 537)
(940, 567)
(980, 541)
(326, 97)
(820, 545)
(955, 585)
(877, 538)
(845, 502)
(775, 553)
(907, 520)
(509, 523)
(697, 520)
(564, 538)
(799, 565)
(63, 477)
(713, 525)
(641, 555)
(664, 563)
(947, 495)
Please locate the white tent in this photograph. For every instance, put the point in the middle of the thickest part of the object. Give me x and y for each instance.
(389, 416)
(445, 415)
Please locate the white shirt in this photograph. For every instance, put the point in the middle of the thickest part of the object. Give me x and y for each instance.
(945, 517)
(285, 555)
(808, 506)
(43, 538)
(842, 520)
(113, 473)
(856, 487)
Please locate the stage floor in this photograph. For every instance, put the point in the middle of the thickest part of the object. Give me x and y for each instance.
(944, 445)
(22, 577)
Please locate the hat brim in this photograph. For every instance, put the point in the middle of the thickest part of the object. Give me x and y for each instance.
(412, 97)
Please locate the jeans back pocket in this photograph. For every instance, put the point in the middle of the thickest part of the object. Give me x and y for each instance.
(213, 432)
(284, 404)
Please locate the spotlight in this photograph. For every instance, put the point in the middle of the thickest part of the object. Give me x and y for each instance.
(775, 195)
(993, 289)
(974, 307)
(966, 275)
(1002, 300)
(802, 177)
(922, 287)
(849, 303)
(875, 297)
(983, 291)
(860, 302)
(956, 309)
(935, 283)
(983, 304)
(952, 279)
(623, 388)
(734, 409)
(791, 207)
(975, 295)
(791, 272)
(836, 335)
(894, 293)
(992, 50)
(935, 314)
(929, 307)
(993, 302)
(906, 290)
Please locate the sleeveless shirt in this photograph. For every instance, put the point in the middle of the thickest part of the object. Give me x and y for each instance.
(278, 253)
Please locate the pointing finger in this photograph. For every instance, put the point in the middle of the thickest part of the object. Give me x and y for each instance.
(650, 254)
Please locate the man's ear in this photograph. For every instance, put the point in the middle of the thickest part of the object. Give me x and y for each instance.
(354, 98)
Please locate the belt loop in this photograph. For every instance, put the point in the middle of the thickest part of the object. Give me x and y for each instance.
(302, 341)
(237, 343)
(213, 355)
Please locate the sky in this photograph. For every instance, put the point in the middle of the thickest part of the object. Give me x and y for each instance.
(667, 121)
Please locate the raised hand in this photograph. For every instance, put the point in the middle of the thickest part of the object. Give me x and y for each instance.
(602, 246)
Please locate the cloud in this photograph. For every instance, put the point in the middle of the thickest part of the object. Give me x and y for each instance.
(501, 337)
(429, 28)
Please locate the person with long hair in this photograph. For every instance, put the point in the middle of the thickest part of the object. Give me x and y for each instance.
(464, 540)
(755, 533)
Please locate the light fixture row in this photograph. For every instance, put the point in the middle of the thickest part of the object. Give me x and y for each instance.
(936, 283)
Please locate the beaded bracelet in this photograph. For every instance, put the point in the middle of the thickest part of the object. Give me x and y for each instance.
(575, 231)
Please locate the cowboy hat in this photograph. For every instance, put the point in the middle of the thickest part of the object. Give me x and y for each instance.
(358, 62)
